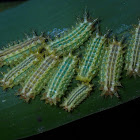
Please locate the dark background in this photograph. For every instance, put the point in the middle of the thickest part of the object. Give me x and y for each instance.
(122, 120)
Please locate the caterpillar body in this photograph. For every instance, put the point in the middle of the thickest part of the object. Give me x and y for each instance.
(132, 58)
(76, 96)
(92, 57)
(73, 39)
(32, 86)
(61, 79)
(21, 71)
(18, 52)
(111, 68)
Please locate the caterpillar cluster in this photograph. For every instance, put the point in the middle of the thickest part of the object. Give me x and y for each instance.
(37, 64)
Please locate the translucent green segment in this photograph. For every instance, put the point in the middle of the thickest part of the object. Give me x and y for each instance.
(60, 75)
(36, 77)
(76, 96)
(72, 40)
(45, 80)
(89, 57)
(92, 58)
(111, 67)
(136, 48)
(19, 67)
(77, 93)
(104, 67)
(21, 56)
(25, 74)
(75, 44)
(130, 49)
(133, 51)
(70, 37)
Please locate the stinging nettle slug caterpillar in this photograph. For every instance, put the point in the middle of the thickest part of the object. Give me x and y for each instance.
(72, 39)
(29, 89)
(50, 64)
(92, 58)
(19, 73)
(132, 58)
(76, 96)
(19, 51)
(111, 68)
(60, 80)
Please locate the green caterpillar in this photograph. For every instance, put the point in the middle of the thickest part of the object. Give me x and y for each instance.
(18, 52)
(92, 57)
(132, 58)
(35, 80)
(76, 96)
(71, 40)
(59, 82)
(111, 68)
(21, 71)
